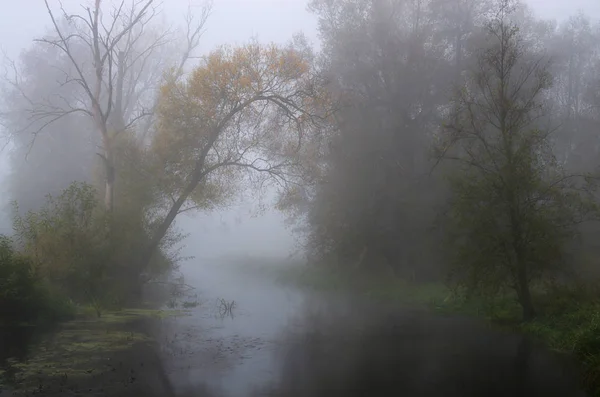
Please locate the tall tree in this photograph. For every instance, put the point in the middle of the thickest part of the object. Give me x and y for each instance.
(110, 64)
(393, 61)
(513, 208)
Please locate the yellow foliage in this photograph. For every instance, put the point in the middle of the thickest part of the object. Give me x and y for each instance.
(240, 100)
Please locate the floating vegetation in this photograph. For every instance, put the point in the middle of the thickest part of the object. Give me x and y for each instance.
(82, 349)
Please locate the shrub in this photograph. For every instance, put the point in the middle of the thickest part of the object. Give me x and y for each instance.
(24, 298)
(92, 256)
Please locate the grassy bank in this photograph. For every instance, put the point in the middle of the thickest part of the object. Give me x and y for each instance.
(568, 318)
(111, 355)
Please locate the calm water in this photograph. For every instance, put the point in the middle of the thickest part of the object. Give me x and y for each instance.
(15, 344)
(284, 342)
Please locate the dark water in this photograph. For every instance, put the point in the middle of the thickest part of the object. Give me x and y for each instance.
(16, 343)
(285, 342)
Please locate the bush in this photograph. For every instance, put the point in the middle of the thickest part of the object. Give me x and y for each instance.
(89, 254)
(569, 322)
(66, 240)
(24, 298)
(17, 284)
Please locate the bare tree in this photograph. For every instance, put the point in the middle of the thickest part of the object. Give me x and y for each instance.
(115, 60)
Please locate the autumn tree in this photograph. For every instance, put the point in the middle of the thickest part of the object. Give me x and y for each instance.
(48, 115)
(513, 208)
(246, 114)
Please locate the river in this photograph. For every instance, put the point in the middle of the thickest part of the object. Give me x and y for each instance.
(282, 341)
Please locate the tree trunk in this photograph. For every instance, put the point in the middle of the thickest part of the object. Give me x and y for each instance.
(109, 192)
(119, 112)
(164, 226)
(196, 177)
(524, 294)
(109, 170)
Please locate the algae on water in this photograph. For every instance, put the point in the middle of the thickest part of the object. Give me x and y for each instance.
(82, 349)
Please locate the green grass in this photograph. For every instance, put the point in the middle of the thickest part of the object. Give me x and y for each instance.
(569, 322)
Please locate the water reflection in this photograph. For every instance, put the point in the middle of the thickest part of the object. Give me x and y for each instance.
(284, 342)
(16, 342)
(376, 353)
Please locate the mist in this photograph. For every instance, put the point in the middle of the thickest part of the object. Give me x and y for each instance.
(231, 198)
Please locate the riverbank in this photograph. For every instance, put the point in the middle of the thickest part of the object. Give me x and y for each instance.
(568, 320)
(116, 355)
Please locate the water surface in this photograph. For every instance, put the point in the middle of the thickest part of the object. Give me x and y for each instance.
(282, 341)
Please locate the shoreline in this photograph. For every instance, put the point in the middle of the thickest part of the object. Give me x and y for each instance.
(116, 354)
(568, 332)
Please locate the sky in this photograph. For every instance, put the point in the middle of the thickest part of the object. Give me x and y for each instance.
(232, 21)
(559, 9)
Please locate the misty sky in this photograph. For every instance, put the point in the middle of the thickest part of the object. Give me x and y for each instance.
(233, 21)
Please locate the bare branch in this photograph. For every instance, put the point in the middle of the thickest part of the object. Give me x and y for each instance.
(194, 32)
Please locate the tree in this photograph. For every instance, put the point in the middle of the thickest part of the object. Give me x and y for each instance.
(20, 298)
(393, 61)
(66, 242)
(459, 20)
(49, 166)
(71, 248)
(513, 208)
(246, 113)
(576, 46)
(109, 65)
(47, 105)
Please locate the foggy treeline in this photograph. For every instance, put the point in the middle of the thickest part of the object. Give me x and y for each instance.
(428, 138)
(466, 145)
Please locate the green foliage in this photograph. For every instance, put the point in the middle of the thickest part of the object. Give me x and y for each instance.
(17, 284)
(513, 209)
(90, 255)
(570, 323)
(140, 204)
(481, 232)
(23, 295)
(67, 240)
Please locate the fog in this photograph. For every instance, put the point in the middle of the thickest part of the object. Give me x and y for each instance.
(300, 198)
(241, 231)
(232, 21)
